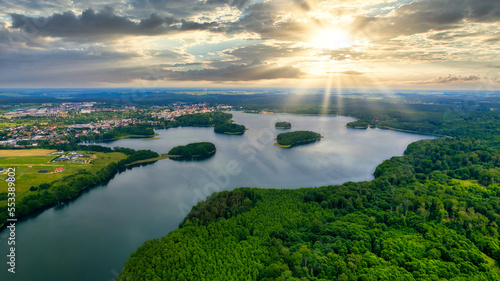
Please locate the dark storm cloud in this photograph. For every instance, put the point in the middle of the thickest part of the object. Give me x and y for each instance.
(14, 40)
(229, 73)
(423, 16)
(265, 52)
(263, 19)
(180, 64)
(77, 75)
(185, 8)
(252, 72)
(451, 79)
(99, 24)
(68, 60)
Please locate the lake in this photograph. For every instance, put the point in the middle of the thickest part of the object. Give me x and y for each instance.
(91, 237)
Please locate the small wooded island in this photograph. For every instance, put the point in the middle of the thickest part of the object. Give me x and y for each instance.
(229, 128)
(198, 150)
(358, 125)
(290, 139)
(283, 125)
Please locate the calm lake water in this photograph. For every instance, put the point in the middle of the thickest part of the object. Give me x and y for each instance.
(90, 238)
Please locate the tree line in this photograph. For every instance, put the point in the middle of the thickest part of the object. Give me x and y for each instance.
(71, 186)
(431, 214)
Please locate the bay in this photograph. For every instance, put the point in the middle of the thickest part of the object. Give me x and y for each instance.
(91, 237)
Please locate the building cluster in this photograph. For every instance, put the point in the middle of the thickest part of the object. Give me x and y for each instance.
(12, 135)
(68, 157)
(33, 133)
(180, 109)
(60, 110)
(99, 126)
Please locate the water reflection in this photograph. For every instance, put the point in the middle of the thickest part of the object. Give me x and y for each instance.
(91, 237)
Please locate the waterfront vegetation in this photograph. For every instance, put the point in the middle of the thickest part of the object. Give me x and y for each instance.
(36, 191)
(208, 119)
(193, 150)
(358, 124)
(230, 129)
(290, 139)
(221, 122)
(130, 131)
(283, 125)
(432, 214)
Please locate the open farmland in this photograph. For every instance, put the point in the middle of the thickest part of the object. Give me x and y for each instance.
(35, 170)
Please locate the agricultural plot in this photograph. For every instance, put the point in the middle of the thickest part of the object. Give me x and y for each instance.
(36, 170)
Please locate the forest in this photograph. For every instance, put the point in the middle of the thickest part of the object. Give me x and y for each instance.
(193, 150)
(290, 139)
(230, 129)
(137, 130)
(221, 121)
(207, 119)
(283, 125)
(431, 214)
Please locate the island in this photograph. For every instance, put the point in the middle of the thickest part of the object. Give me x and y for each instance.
(358, 124)
(286, 140)
(229, 129)
(283, 125)
(197, 150)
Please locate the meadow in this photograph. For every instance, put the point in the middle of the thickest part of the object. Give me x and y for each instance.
(28, 163)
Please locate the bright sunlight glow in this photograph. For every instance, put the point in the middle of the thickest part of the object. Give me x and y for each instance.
(331, 39)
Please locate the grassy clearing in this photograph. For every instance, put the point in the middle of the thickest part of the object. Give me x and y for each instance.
(4, 125)
(25, 152)
(162, 156)
(28, 167)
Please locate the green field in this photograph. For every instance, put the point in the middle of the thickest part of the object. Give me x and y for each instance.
(4, 125)
(27, 168)
(25, 160)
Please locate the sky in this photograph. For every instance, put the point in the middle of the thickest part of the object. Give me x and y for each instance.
(404, 44)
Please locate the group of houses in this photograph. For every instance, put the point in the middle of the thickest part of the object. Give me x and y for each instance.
(57, 170)
(71, 156)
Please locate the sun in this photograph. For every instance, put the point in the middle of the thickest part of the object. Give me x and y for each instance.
(331, 38)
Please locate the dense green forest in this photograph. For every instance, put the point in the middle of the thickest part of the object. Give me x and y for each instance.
(142, 130)
(207, 119)
(432, 214)
(193, 150)
(290, 139)
(283, 125)
(422, 218)
(221, 122)
(229, 128)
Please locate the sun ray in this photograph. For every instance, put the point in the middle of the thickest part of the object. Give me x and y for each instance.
(330, 38)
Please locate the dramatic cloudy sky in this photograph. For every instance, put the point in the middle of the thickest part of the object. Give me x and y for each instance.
(422, 44)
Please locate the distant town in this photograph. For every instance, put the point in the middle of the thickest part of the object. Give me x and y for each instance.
(59, 124)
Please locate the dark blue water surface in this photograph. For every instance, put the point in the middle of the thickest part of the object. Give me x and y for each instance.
(90, 238)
